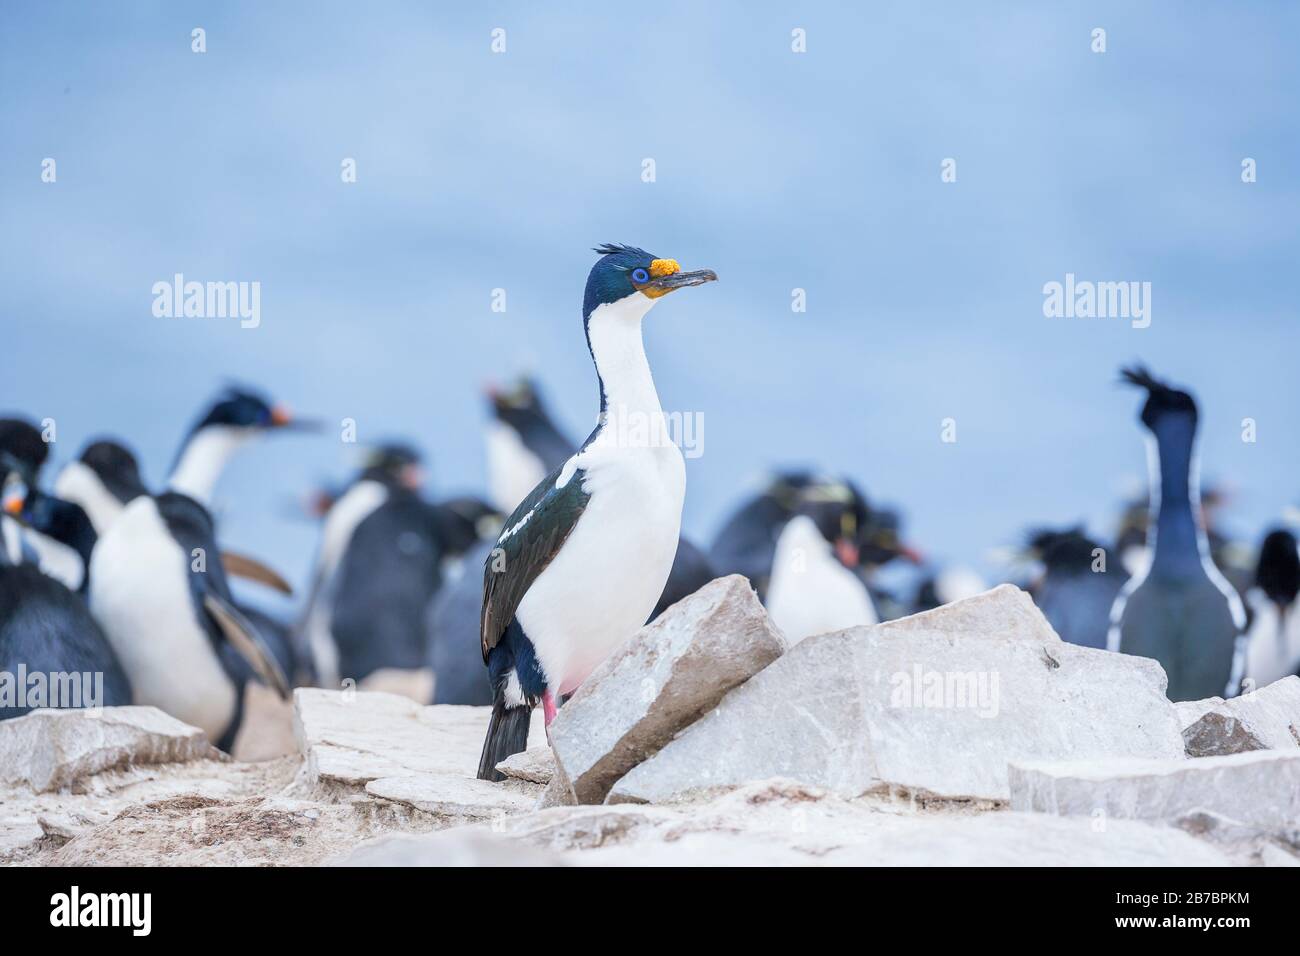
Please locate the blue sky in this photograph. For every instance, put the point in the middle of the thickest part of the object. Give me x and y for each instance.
(778, 170)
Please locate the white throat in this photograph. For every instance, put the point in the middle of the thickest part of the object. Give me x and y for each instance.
(614, 331)
(204, 458)
(78, 483)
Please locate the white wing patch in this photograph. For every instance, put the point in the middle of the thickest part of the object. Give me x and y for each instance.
(565, 476)
(514, 691)
(566, 473)
(510, 532)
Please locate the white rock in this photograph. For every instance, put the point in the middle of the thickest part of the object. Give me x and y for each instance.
(350, 738)
(456, 799)
(34, 826)
(660, 681)
(992, 839)
(556, 794)
(938, 709)
(1265, 719)
(17, 834)
(211, 812)
(262, 831)
(1248, 845)
(779, 822)
(535, 765)
(53, 749)
(1272, 855)
(266, 731)
(1005, 611)
(459, 847)
(1259, 789)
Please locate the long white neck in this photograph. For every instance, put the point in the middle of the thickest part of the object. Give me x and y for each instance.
(204, 458)
(78, 483)
(614, 333)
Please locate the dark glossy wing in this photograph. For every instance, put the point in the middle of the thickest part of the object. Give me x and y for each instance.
(243, 637)
(532, 536)
(191, 525)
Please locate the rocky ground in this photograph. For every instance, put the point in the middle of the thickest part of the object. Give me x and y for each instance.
(966, 735)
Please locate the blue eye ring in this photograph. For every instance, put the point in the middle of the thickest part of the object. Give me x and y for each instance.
(640, 275)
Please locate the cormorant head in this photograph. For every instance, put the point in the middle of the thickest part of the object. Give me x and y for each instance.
(116, 468)
(15, 484)
(521, 393)
(395, 464)
(862, 536)
(1278, 572)
(1164, 402)
(241, 409)
(624, 271)
(786, 487)
(880, 539)
(840, 512)
(21, 498)
(64, 521)
(517, 403)
(1068, 549)
(23, 441)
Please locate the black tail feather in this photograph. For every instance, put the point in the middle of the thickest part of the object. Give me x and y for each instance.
(507, 735)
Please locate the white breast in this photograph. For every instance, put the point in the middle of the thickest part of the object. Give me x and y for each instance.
(513, 470)
(1272, 646)
(140, 594)
(811, 591)
(11, 536)
(78, 483)
(56, 559)
(357, 503)
(605, 581)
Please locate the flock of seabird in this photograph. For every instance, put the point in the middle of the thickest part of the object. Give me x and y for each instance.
(512, 600)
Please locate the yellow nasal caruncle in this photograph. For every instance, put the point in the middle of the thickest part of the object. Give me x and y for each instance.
(663, 267)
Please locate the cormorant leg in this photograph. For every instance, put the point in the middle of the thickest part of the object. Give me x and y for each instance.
(548, 708)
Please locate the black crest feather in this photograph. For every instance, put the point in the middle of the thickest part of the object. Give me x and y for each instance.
(1161, 396)
(232, 390)
(1140, 376)
(615, 248)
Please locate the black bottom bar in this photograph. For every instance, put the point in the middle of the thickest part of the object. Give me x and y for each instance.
(296, 906)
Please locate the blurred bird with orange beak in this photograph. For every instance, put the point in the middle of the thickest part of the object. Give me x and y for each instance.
(158, 584)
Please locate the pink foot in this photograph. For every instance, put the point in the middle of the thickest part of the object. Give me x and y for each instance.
(548, 708)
